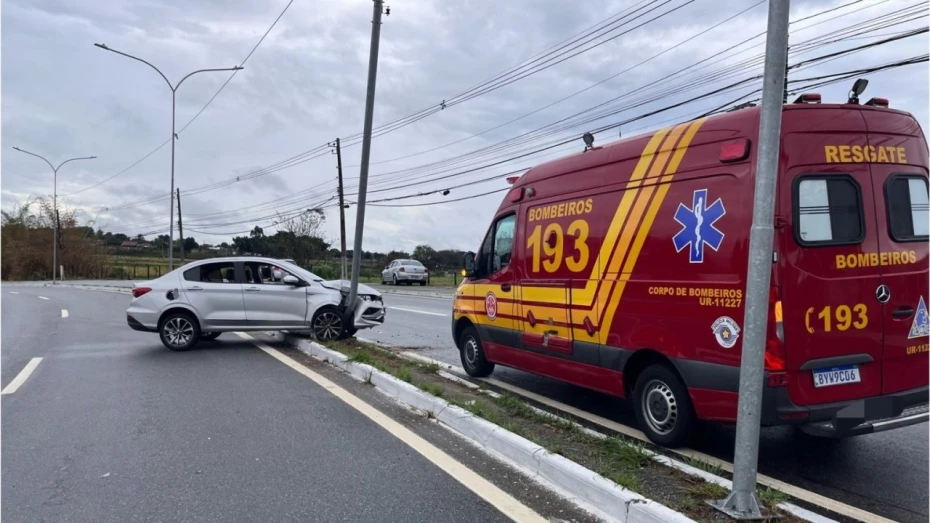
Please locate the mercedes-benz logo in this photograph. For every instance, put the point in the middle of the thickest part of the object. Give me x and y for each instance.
(883, 293)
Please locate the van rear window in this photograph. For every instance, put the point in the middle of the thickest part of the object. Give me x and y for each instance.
(906, 198)
(828, 210)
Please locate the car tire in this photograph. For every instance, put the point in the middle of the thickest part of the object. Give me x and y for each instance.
(422, 284)
(209, 336)
(179, 331)
(395, 280)
(471, 351)
(663, 407)
(328, 324)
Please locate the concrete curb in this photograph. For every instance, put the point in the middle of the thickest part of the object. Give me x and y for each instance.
(580, 484)
(424, 294)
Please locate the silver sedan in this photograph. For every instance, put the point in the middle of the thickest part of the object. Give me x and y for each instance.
(405, 271)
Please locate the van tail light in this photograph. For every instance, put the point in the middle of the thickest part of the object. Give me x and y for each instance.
(775, 340)
(401, 270)
(878, 102)
(140, 291)
(734, 151)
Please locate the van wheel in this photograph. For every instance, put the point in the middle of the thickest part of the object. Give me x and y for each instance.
(663, 406)
(474, 362)
(179, 331)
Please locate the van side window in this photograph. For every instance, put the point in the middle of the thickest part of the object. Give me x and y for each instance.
(828, 210)
(906, 198)
(498, 246)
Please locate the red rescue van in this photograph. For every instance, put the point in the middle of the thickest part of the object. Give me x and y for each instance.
(622, 269)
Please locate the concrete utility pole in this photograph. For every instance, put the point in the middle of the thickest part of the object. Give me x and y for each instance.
(180, 225)
(366, 154)
(742, 503)
(174, 135)
(56, 223)
(342, 208)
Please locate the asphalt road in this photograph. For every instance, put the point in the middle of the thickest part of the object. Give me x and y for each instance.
(111, 426)
(884, 473)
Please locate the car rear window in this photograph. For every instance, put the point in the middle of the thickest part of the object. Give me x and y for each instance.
(411, 262)
(223, 272)
(828, 210)
(906, 199)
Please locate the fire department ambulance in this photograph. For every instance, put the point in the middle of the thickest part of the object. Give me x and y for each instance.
(622, 269)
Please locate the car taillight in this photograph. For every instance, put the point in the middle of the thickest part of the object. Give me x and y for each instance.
(139, 291)
(425, 270)
(775, 340)
(401, 269)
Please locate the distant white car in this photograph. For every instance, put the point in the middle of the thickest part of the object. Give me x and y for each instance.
(405, 271)
(203, 299)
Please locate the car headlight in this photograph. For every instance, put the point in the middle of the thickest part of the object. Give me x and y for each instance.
(370, 297)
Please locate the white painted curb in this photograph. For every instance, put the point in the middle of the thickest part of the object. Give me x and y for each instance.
(597, 493)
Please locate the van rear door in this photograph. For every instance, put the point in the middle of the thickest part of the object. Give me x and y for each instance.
(833, 322)
(899, 176)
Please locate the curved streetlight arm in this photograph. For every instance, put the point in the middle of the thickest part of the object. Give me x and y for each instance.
(104, 47)
(236, 68)
(38, 156)
(73, 159)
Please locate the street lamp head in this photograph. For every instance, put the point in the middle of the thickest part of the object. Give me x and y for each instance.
(102, 46)
(238, 68)
(17, 148)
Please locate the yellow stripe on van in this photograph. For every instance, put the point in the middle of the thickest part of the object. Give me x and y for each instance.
(649, 218)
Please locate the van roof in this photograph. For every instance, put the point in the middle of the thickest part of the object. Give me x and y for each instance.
(745, 121)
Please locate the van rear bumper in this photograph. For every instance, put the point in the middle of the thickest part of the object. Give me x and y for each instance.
(848, 418)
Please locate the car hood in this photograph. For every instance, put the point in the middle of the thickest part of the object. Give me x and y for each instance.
(345, 284)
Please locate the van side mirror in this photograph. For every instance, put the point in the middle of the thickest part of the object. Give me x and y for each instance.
(469, 264)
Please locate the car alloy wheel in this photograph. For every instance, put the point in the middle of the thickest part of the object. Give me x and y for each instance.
(179, 331)
(659, 406)
(395, 280)
(327, 326)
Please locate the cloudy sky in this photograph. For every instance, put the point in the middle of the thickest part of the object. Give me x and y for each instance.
(305, 85)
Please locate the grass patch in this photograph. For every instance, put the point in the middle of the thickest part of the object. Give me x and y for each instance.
(704, 491)
(362, 357)
(703, 465)
(771, 497)
(403, 374)
(431, 388)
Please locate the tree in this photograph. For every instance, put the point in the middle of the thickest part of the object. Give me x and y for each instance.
(140, 238)
(190, 244)
(425, 255)
(300, 236)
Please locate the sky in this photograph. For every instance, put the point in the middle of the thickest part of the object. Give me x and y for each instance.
(305, 85)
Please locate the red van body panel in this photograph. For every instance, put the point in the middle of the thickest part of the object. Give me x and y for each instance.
(636, 252)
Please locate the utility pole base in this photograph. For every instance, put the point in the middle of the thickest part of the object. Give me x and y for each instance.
(731, 506)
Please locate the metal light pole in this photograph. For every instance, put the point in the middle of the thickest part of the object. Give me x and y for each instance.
(742, 503)
(366, 153)
(55, 205)
(174, 136)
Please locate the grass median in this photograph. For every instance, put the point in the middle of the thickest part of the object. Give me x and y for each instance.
(625, 461)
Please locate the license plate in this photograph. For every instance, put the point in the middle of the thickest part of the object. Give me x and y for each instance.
(836, 376)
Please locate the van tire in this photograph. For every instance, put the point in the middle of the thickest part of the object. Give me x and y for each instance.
(663, 407)
(471, 351)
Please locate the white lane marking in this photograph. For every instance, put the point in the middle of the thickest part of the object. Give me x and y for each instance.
(42, 298)
(417, 311)
(64, 313)
(501, 500)
(13, 292)
(21, 377)
(787, 488)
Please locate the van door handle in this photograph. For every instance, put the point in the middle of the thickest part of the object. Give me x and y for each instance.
(902, 313)
(195, 288)
(505, 287)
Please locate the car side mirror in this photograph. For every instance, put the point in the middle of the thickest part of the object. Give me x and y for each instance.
(291, 280)
(469, 264)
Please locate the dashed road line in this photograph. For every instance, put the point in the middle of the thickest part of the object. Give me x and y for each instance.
(417, 311)
(21, 378)
(64, 313)
(13, 292)
(42, 298)
(502, 501)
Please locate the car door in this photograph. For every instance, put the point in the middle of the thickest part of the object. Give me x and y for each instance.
(215, 293)
(387, 272)
(269, 302)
